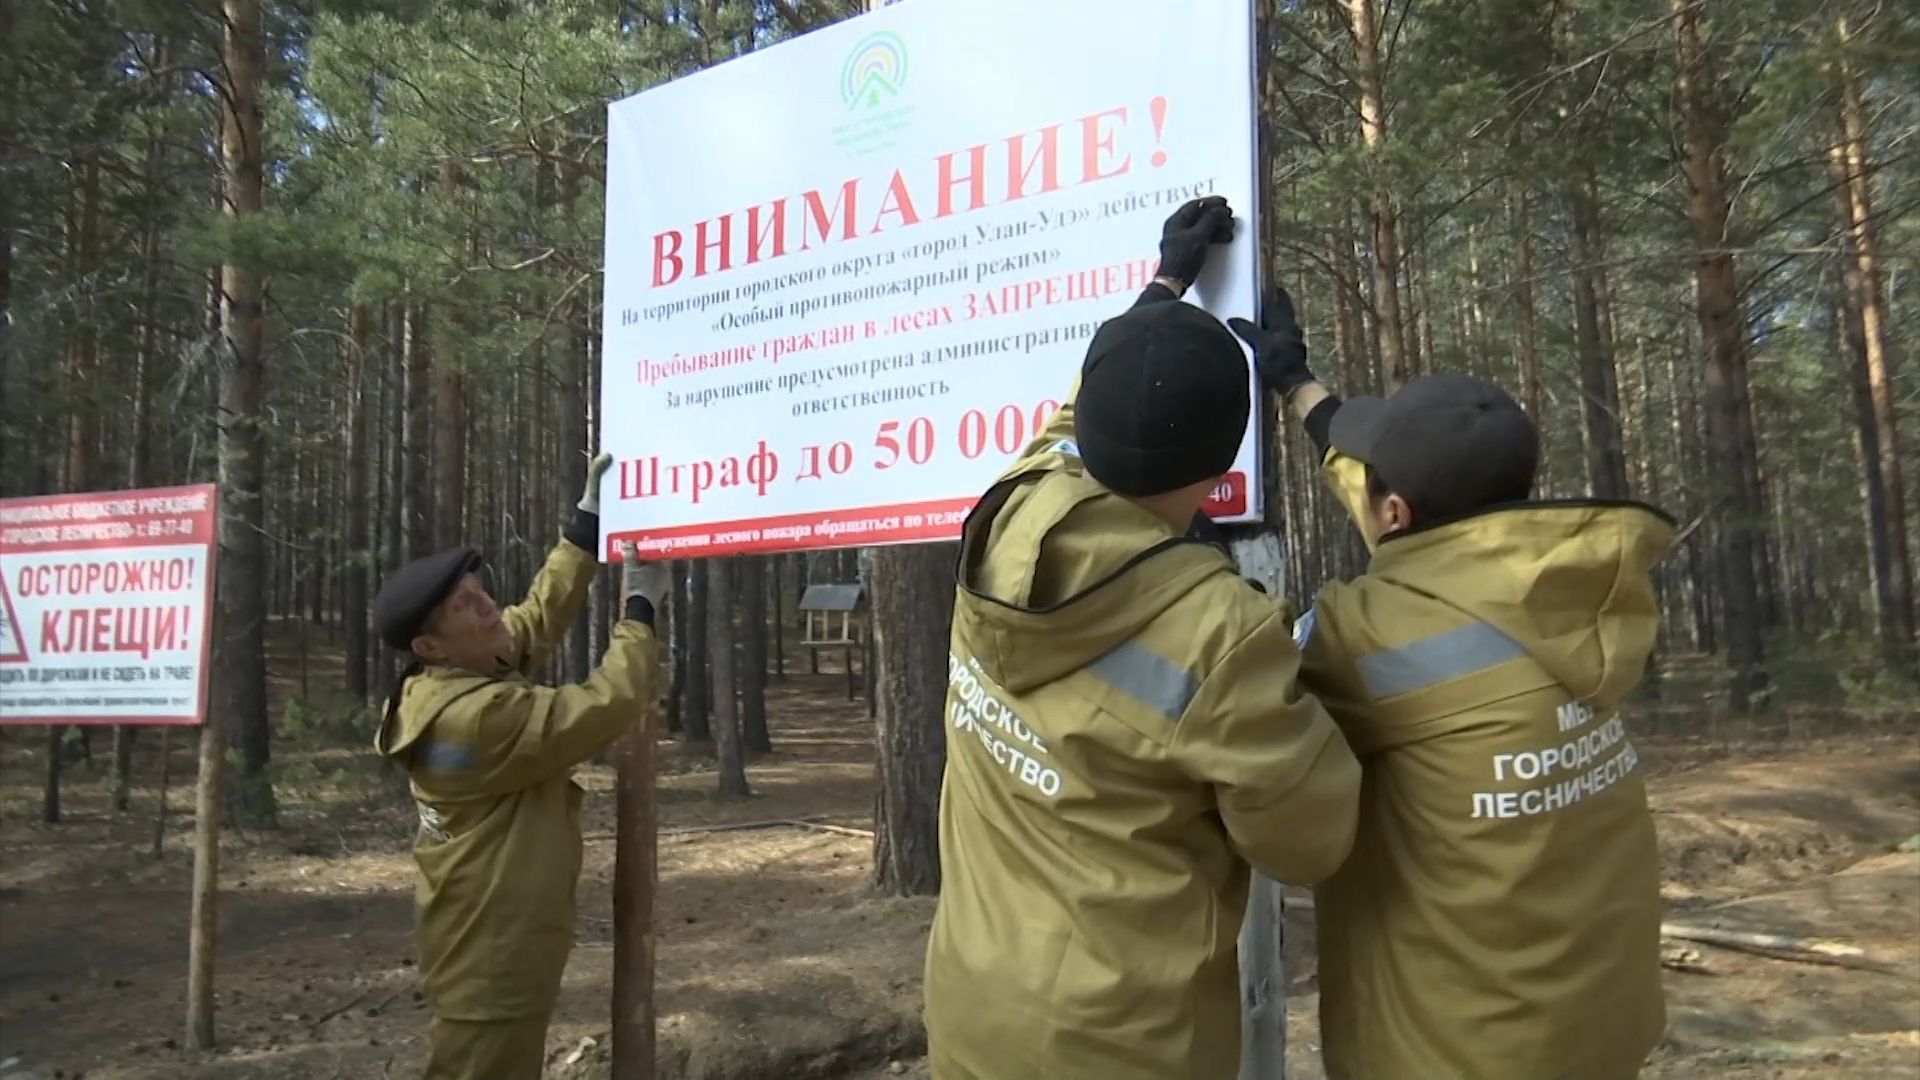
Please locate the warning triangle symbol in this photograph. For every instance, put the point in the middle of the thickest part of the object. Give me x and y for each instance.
(13, 639)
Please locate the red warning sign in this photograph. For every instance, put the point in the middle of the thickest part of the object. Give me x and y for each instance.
(106, 606)
(13, 641)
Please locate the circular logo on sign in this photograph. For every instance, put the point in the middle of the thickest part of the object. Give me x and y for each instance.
(875, 71)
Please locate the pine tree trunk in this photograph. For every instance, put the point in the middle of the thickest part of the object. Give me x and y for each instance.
(575, 402)
(1345, 347)
(677, 696)
(1731, 456)
(1420, 342)
(600, 621)
(358, 544)
(779, 599)
(1599, 381)
(449, 466)
(8, 123)
(700, 686)
(752, 586)
(83, 384)
(1701, 634)
(1363, 26)
(912, 616)
(393, 520)
(1861, 263)
(416, 455)
(1526, 314)
(241, 664)
(1873, 505)
(1639, 435)
(572, 468)
(140, 470)
(729, 747)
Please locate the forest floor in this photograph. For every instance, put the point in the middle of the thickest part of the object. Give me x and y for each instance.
(775, 960)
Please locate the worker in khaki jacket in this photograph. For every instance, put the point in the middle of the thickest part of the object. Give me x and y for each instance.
(1500, 914)
(1125, 732)
(490, 753)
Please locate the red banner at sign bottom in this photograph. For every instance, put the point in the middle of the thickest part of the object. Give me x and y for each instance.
(903, 523)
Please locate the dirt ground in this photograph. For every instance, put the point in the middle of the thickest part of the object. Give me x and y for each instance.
(776, 961)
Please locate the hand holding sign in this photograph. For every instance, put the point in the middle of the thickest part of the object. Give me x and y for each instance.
(1279, 349)
(1188, 234)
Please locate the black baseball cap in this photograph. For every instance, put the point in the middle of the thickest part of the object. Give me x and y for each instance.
(1164, 399)
(1448, 444)
(410, 594)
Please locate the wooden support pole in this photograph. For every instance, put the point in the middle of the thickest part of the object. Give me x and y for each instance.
(635, 878)
(1259, 553)
(1263, 967)
(206, 885)
(1263, 987)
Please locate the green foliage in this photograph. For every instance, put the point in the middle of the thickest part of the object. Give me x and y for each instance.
(448, 156)
(329, 720)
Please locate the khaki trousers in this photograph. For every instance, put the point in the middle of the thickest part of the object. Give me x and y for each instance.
(511, 1049)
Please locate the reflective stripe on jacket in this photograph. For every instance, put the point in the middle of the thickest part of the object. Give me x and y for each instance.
(491, 760)
(1499, 916)
(1125, 733)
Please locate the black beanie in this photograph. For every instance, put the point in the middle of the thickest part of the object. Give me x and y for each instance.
(1163, 400)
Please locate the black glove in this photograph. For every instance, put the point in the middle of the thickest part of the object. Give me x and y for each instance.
(1189, 232)
(1279, 351)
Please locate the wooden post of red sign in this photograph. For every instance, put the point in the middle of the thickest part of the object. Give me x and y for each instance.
(635, 876)
(206, 882)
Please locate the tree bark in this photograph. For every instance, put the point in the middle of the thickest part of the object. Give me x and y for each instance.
(752, 584)
(1701, 633)
(82, 434)
(1866, 284)
(140, 470)
(1420, 341)
(572, 466)
(677, 695)
(393, 512)
(449, 466)
(1873, 505)
(1731, 457)
(1599, 380)
(729, 747)
(1526, 312)
(1383, 216)
(700, 686)
(416, 455)
(912, 617)
(358, 544)
(241, 667)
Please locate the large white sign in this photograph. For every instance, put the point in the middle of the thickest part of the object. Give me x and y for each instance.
(105, 606)
(848, 277)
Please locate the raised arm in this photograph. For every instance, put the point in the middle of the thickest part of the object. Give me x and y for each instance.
(513, 734)
(1280, 356)
(559, 590)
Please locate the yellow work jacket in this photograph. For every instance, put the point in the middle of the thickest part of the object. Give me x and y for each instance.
(1125, 734)
(491, 760)
(1500, 914)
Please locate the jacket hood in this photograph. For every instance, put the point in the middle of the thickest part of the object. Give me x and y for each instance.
(1056, 571)
(425, 691)
(1570, 581)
